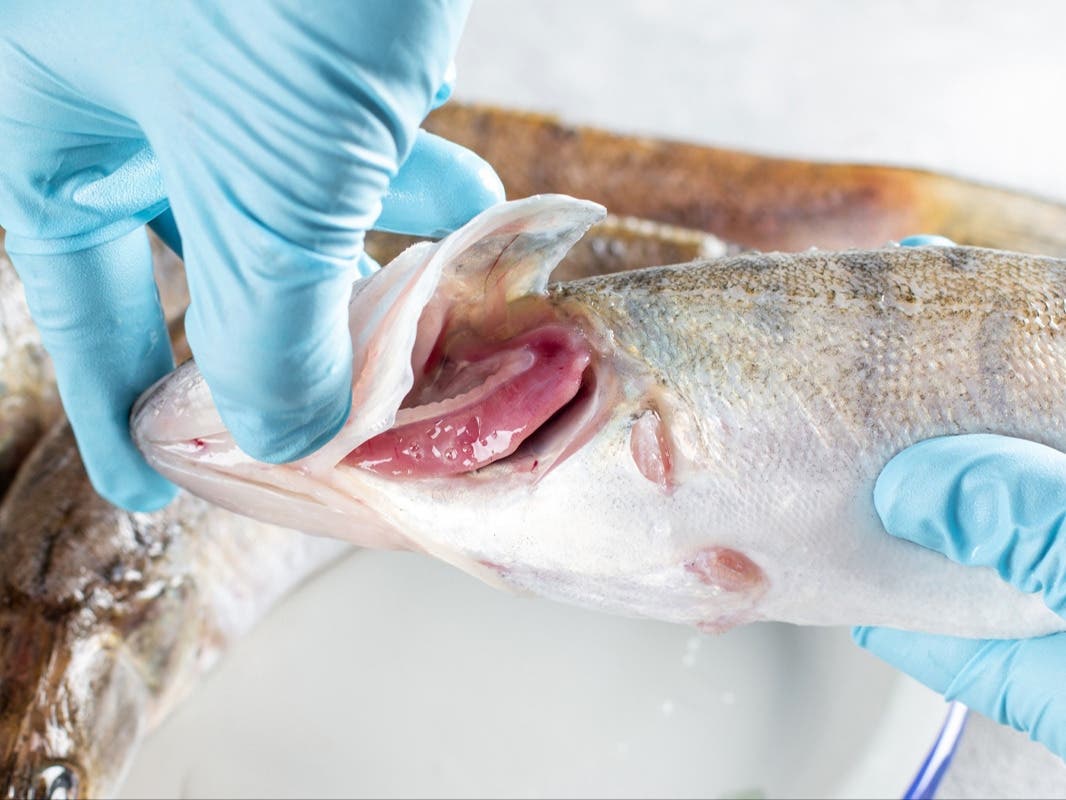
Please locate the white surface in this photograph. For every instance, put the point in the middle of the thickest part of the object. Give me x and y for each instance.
(394, 676)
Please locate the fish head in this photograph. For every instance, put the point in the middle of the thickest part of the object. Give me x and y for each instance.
(71, 711)
(95, 627)
(497, 424)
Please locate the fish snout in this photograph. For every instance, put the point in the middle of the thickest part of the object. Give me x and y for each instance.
(176, 412)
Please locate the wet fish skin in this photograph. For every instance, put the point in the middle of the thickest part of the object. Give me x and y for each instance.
(749, 199)
(107, 618)
(783, 383)
(793, 378)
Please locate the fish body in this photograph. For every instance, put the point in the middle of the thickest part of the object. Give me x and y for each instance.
(109, 617)
(716, 465)
(752, 200)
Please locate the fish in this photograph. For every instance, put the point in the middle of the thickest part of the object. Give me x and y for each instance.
(108, 618)
(694, 443)
(750, 200)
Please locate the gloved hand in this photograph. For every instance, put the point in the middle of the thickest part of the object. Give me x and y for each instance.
(267, 133)
(998, 502)
(986, 501)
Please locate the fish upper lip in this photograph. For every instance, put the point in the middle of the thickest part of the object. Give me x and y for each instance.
(157, 419)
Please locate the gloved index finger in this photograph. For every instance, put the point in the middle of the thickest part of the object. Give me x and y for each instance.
(100, 320)
(439, 187)
(984, 500)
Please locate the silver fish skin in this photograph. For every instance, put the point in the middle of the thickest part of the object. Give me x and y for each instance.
(108, 618)
(717, 466)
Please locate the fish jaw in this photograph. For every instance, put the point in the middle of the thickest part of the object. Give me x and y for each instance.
(182, 436)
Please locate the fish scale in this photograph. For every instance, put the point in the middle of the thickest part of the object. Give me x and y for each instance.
(918, 341)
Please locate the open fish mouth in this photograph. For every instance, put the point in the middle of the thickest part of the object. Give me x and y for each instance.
(474, 403)
(509, 391)
(463, 370)
(499, 377)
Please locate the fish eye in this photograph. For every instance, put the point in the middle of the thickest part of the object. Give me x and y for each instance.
(55, 782)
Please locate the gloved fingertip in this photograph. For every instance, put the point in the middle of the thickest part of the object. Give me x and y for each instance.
(125, 480)
(926, 239)
(440, 187)
(910, 494)
(367, 266)
(447, 86)
(981, 499)
(469, 183)
(477, 187)
(151, 493)
(933, 660)
(274, 440)
(490, 189)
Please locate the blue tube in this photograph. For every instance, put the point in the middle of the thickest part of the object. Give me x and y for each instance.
(938, 759)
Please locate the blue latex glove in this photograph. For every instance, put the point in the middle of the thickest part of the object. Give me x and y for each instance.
(267, 133)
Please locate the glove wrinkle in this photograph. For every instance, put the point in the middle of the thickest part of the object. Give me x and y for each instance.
(268, 134)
